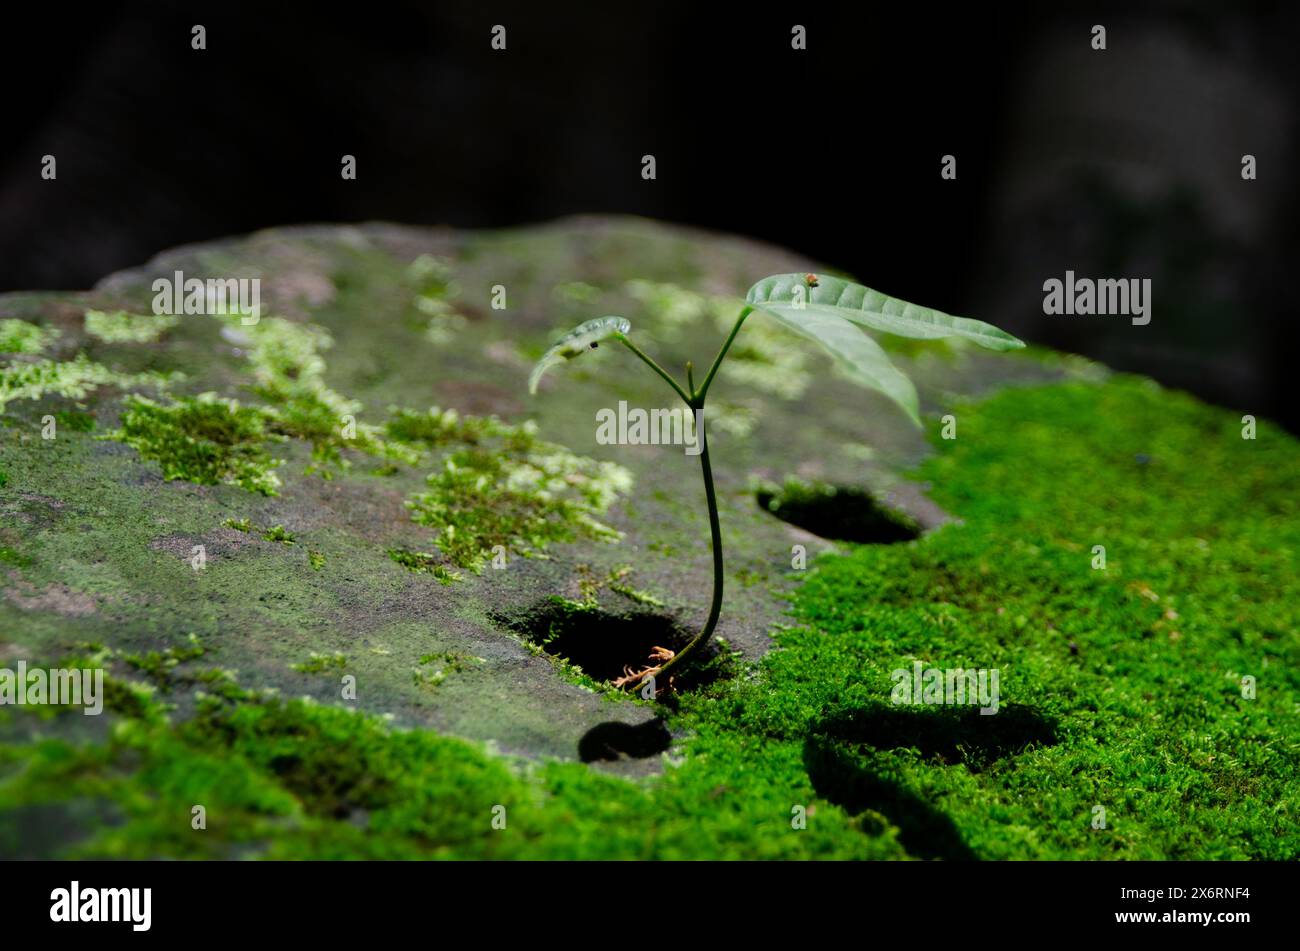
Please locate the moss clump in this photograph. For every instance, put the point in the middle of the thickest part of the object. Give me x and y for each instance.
(426, 562)
(433, 669)
(435, 291)
(8, 554)
(74, 421)
(590, 584)
(205, 439)
(321, 663)
(439, 427)
(19, 336)
(518, 492)
(672, 307)
(289, 372)
(72, 379)
(159, 666)
(316, 560)
(123, 327)
(618, 583)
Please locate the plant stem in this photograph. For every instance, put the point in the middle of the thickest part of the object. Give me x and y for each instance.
(716, 532)
(717, 361)
(695, 401)
(649, 361)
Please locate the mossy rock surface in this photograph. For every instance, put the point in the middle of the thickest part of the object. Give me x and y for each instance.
(327, 560)
(110, 535)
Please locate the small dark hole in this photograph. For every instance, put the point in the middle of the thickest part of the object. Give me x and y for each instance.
(842, 513)
(602, 644)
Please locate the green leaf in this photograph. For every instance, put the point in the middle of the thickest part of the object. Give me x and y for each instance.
(581, 338)
(856, 353)
(861, 305)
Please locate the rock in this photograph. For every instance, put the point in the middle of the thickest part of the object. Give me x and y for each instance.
(297, 521)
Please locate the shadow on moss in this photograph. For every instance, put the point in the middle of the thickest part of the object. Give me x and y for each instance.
(847, 759)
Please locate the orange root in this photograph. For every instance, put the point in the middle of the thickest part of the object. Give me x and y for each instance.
(659, 656)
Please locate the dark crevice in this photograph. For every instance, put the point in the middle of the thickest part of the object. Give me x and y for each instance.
(842, 513)
(602, 644)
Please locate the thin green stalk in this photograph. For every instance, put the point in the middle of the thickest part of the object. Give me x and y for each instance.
(717, 361)
(716, 531)
(695, 400)
(649, 361)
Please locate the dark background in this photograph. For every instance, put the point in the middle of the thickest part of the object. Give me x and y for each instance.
(1121, 163)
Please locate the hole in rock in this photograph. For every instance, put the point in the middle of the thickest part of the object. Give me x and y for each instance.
(843, 513)
(602, 643)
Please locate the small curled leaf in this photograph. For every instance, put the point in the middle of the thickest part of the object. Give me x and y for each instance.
(585, 336)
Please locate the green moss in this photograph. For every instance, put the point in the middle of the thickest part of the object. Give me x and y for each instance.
(12, 556)
(316, 560)
(73, 421)
(516, 492)
(289, 372)
(73, 379)
(616, 580)
(158, 666)
(575, 294)
(438, 427)
(19, 336)
(671, 307)
(435, 293)
(425, 562)
(123, 327)
(321, 663)
(1120, 687)
(239, 524)
(1137, 666)
(433, 669)
(205, 439)
(278, 533)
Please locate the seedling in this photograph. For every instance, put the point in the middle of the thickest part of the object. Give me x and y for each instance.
(827, 310)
